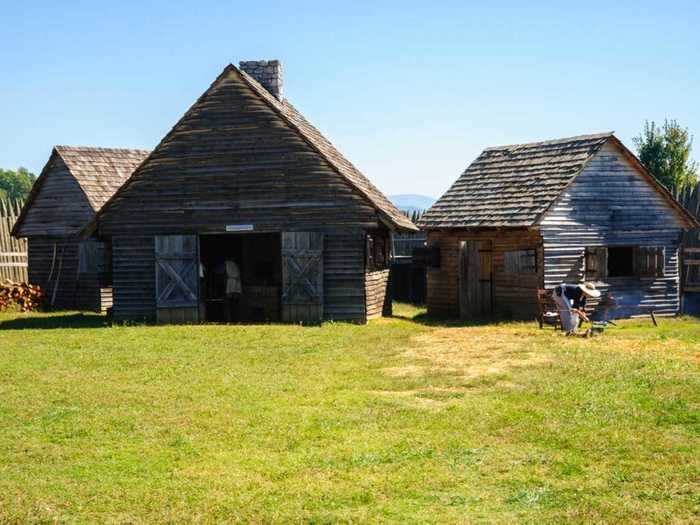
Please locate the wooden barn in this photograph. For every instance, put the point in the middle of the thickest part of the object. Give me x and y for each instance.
(532, 216)
(72, 187)
(244, 178)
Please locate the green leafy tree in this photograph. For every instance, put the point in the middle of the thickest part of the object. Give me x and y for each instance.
(665, 152)
(15, 185)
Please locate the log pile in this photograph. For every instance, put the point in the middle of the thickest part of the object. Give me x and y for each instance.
(25, 297)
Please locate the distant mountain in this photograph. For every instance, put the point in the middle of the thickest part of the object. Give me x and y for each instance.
(410, 202)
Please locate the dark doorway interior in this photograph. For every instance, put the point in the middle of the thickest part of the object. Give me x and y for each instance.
(256, 260)
(620, 261)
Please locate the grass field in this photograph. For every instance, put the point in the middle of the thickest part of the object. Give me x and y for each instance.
(400, 421)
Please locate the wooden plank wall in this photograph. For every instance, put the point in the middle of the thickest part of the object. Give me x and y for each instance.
(513, 293)
(53, 265)
(377, 293)
(610, 204)
(56, 271)
(134, 278)
(344, 275)
(234, 161)
(343, 272)
(13, 252)
(60, 207)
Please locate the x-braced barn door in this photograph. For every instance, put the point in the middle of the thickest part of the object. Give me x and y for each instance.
(302, 277)
(475, 279)
(177, 290)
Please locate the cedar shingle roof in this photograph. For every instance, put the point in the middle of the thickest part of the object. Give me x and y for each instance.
(336, 159)
(512, 185)
(101, 171)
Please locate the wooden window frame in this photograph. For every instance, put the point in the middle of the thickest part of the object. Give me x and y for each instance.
(596, 262)
(513, 261)
(378, 250)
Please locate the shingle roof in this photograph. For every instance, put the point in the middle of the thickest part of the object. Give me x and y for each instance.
(100, 171)
(512, 185)
(336, 159)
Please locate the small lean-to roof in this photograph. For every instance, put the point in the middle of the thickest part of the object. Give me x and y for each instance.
(99, 172)
(513, 185)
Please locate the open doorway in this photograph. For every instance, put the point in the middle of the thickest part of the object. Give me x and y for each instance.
(241, 277)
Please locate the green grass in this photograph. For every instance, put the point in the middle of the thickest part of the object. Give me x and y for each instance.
(400, 421)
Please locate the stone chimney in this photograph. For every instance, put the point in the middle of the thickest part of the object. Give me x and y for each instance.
(267, 72)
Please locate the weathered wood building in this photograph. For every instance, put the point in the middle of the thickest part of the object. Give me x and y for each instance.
(244, 177)
(532, 216)
(72, 187)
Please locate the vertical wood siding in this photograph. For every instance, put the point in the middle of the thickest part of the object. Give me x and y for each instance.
(611, 204)
(232, 160)
(13, 251)
(513, 293)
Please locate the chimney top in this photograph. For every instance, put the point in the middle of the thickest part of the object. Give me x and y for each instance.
(267, 72)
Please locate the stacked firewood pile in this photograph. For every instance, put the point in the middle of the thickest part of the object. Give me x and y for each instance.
(25, 297)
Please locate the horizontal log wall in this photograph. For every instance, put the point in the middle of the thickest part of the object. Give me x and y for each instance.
(377, 292)
(344, 275)
(513, 293)
(53, 265)
(133, 278)
(60, 206)
(56, 271)
(612, 204)
(232, 160)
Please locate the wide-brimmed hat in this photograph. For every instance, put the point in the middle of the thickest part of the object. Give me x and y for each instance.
(590, 290)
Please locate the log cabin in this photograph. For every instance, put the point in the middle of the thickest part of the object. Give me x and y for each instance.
(72, 187)
(531, 216)
(244, 178)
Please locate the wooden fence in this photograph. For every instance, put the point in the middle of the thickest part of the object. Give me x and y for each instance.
(13, 252)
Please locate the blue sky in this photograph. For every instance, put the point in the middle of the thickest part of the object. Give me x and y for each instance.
(410, 92)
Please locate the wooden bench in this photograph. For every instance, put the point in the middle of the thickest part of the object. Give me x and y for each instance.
(548, 313)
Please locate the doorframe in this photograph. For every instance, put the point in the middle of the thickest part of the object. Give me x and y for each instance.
(278, 233)
(467, 308)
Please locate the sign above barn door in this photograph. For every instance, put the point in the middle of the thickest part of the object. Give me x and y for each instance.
(239, 227)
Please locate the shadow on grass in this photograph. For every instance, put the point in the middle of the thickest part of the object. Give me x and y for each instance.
(48, 322)
(451, 322)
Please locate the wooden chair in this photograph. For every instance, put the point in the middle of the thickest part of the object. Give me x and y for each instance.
(548, 313)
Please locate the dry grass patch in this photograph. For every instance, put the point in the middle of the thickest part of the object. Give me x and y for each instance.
(470, 354)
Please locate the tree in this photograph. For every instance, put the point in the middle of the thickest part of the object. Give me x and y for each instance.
(665, 152)
(15, 185)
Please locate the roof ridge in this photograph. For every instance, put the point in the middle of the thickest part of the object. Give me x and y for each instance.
(550, 142)
(97, 148)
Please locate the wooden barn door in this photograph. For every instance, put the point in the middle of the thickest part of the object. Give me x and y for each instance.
(302, 277)
(177, 279)
(475, 279)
